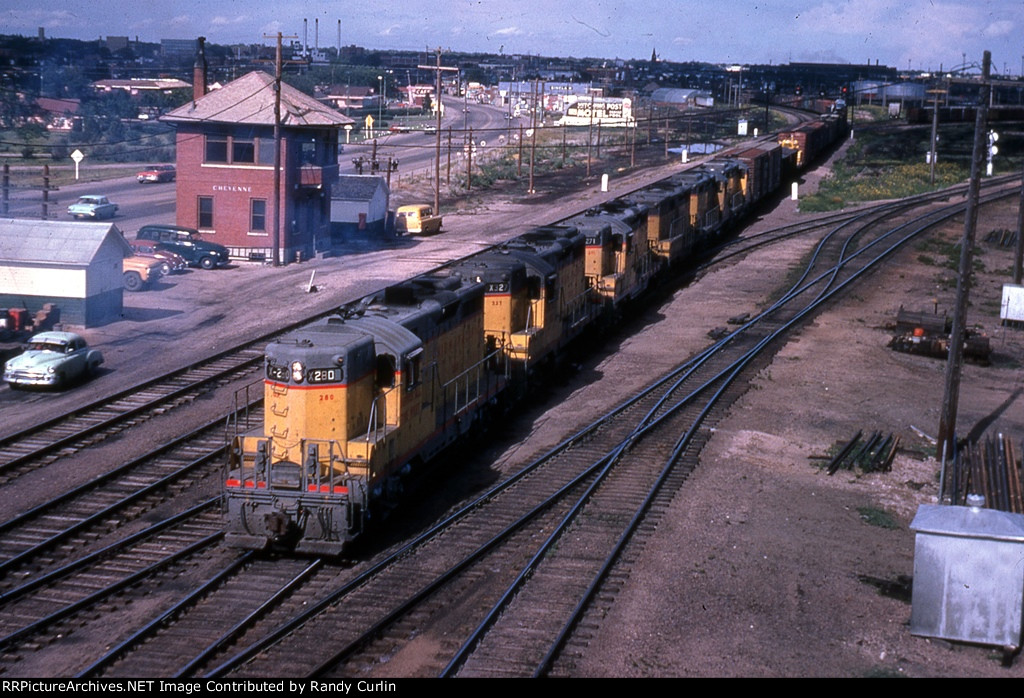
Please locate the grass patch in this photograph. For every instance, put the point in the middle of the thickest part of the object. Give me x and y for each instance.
(877, 517)
(889, 163)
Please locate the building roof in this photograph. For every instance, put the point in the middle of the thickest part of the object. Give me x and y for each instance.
(59, 106)
(348, 91)
(250, 100)
(357, 187)
(133, 84)
(55, 242)
(675, 95)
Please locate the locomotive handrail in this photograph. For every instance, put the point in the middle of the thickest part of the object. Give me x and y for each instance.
(372, 427)
(578, 308)
(479, 369)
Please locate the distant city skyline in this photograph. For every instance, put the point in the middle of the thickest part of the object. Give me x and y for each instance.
(914, 34)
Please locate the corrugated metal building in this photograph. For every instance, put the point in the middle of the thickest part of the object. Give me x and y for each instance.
(359, 207)
(681, 98)
(75, 265)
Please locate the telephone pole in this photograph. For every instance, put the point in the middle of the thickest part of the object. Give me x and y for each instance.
(946, 445)
(276, 234)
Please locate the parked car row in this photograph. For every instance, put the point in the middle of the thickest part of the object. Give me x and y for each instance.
(168, 248)
(164, 249)
(186, 242)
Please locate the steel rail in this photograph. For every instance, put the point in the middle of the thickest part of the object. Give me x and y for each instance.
(107, 591)
(107, 478)
(53, 575)
(125, 645)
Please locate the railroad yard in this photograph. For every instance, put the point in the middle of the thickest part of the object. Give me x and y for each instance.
(761, 565)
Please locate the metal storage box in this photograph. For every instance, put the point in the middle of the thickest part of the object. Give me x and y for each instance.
(1012, 306)
(968, 575)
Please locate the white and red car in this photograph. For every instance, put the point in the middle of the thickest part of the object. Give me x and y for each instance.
(157, 173)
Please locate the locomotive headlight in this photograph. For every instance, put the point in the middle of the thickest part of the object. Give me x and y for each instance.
(298, 371)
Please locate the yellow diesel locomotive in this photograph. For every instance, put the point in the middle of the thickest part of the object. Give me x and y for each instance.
(353, 405)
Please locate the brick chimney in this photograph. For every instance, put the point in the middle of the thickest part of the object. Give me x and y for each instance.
(199, 70)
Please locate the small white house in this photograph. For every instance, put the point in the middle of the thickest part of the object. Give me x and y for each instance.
(77, 266)
(359, 207)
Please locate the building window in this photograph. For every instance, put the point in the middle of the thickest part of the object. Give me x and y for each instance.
(216, 149)
(307, 153)
(205, 211)
(266, 151)
(258, 215)
(243, 150)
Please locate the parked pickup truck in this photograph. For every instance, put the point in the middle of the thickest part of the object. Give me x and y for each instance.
(140, 272)
(417, 218)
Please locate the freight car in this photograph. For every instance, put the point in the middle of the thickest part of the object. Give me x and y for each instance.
(954, 114)
(354, 405)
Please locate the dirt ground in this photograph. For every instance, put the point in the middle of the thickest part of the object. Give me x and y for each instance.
(766, 565)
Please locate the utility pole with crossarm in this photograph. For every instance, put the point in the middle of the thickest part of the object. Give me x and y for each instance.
(437, 152)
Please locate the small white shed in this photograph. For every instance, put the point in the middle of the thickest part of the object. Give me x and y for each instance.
(77, 266)
(359, 207)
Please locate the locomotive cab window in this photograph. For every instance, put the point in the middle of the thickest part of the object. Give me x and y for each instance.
(385, 371)
(533, 285)
(413, 368)
(551, 290)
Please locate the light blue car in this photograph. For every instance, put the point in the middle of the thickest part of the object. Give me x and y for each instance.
(52, 359)
(92, 206)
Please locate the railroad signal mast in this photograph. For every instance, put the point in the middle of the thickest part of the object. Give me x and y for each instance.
(992, 151)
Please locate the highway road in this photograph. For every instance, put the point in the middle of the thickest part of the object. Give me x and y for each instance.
(417, 150)
(141, 204)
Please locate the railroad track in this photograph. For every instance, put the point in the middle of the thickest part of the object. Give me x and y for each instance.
(373, 603)
(84, 519)
(422, 582)
(64, 435)
(45, 607)
(443, 596)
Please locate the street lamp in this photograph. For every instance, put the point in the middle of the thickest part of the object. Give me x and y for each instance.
(380, 100)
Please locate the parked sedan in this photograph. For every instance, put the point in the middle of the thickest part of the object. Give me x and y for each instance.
(93, 206)
(169, 261)
(157, 173)
(184, 241)
(52, 359)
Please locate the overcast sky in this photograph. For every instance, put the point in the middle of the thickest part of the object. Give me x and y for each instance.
(916, 34)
